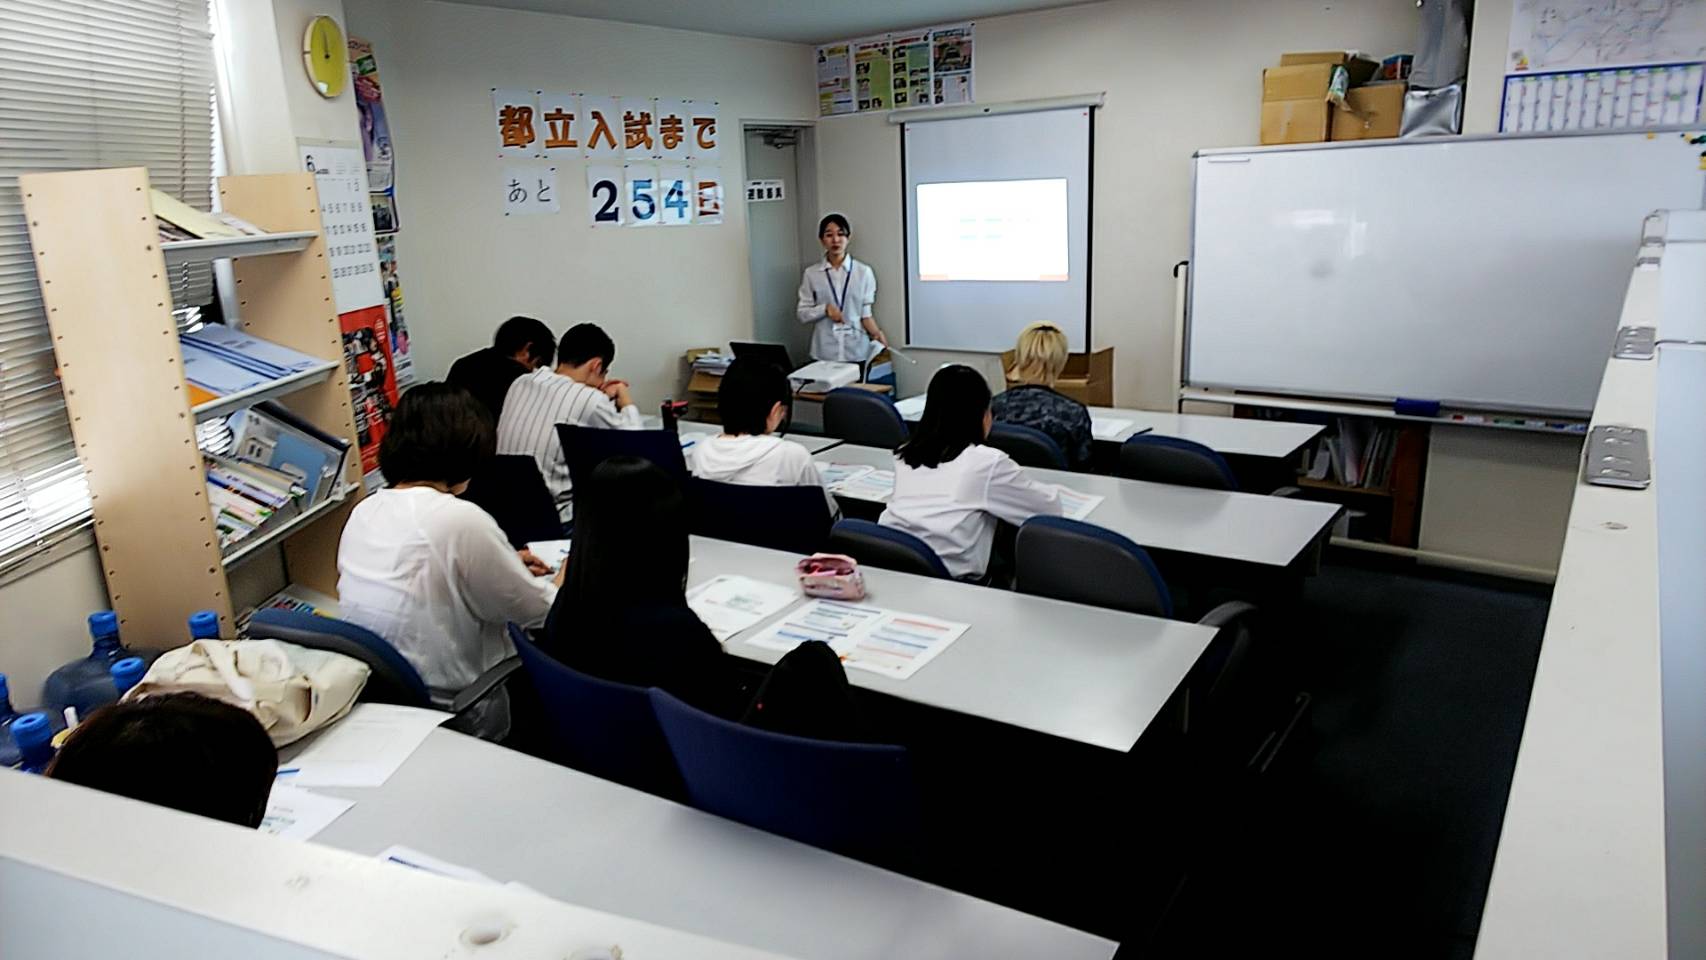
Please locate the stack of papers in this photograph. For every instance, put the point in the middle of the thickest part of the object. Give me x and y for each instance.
(730, 604)
(1108, 428)
(219, 361)
(881, 641)
(857, 481)
(363, 749)
(551, 552)
(1075, 505)
(298, 814)
(715, 364)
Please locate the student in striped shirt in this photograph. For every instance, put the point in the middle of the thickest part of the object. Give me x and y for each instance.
(578, 392)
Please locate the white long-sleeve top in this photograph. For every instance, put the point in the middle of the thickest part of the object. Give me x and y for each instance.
(533, 407)
(759, 461)
(853, 287)
(954, 507)
(435, 576)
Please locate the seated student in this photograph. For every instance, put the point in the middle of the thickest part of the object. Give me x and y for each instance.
(949, 488)
(521, 346)
(753, 401)
(431, 573)
(178, 750)
(577, 392)
(1040, 357)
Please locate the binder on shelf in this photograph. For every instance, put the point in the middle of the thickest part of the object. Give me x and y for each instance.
(221, 362)
(272, 436)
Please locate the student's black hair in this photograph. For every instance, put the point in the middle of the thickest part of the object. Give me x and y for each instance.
(582, 342)
(629, 549)
(518, 332)
(438, 434)
(953, 417)
(178, 750)
(836, 219)
(750, 388)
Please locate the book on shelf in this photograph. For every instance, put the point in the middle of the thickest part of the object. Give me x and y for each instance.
(1358, 455)
(270, 435)
(220, 361)
(180, 221)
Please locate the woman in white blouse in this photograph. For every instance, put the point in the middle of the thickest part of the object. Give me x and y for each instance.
(949, 488)
(434, 574)
(836, 296)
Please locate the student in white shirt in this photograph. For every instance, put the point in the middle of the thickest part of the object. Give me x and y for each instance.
(753, 401)
(836, 294)
(949, 488)
(579, 392)
(434, 574)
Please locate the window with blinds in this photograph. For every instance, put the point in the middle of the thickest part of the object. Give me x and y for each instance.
(84, 83)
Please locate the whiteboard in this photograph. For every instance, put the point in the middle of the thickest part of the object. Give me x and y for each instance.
(1480, 272)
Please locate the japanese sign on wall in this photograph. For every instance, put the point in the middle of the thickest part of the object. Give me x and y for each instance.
(651, 161)
(914, 69)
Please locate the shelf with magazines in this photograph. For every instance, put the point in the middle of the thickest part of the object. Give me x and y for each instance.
(203, 447)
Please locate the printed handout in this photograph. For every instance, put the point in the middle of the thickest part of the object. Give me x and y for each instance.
(729, 604)
(880, 641)
(363, 749)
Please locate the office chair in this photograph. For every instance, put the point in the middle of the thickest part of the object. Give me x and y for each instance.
(822, 792)
(1028, 446)
(796, 519)
(598, 726)
(584, 448)
(878, 546)
(1082, 563)
(862, 417)
(1174, 460)
(510, 488)
(391, 678)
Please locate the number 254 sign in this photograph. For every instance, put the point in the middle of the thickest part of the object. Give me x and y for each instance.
(645, 195)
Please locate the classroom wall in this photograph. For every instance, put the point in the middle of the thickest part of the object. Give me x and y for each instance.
(465, 268)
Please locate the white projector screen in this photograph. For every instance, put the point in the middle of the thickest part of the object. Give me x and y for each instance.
(997, 228)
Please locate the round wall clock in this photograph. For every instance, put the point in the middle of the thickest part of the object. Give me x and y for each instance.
(325, 55)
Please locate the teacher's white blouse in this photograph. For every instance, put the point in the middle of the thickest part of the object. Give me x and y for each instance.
(822, 285)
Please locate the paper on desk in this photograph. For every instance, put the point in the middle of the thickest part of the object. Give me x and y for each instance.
(913, 407)
(551, 552)
(298, 814)
(876, 486)
(416, 860)
(729, 604)
(1107, 428)
(364, 748)
(1075, 505)
(833, 474)
(881, 641)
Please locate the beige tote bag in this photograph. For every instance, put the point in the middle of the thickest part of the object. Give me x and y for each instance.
(292, 690)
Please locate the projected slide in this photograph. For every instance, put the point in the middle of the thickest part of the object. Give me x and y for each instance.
(1004, 230)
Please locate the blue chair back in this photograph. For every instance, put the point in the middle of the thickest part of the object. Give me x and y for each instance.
(879, 546)
(599, 727)
(782, 518)
(584, 448)
(391, 679)
(1028, 446)
(1174, 460)
(510, 488)
(862, 417)
(1083, 563)
(820, 792)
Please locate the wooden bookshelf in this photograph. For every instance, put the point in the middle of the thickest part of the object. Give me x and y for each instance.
(103, 273)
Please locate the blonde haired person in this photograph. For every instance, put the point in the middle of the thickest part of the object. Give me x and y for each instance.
(1037, 363)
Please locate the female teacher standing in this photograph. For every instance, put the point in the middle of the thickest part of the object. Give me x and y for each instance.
(836, 294)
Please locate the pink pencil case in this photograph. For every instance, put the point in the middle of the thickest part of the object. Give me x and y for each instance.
(831, 576)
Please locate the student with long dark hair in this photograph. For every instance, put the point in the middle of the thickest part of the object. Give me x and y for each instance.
(950, 488)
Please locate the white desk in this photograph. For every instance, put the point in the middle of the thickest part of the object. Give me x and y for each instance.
(1082, 673)
(1226, 435)
(1270, 531)
(690, 428)
(597, 844)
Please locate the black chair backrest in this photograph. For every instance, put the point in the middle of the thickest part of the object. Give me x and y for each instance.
(1174, 460)
(862, 417)
(584, 448)
(878, 546)
(510, 488)
(1028, 446)
(782, 518)
(1083, 563)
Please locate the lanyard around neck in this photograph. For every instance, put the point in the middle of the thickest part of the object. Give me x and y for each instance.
(840, 298)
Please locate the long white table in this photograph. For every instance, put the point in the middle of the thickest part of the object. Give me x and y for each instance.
(690, 429)
(1232, 436)
(1269, 531)
(597, 844)
(1082, 673)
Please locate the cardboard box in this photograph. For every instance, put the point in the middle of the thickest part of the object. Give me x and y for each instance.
(1372, 112)
(1087, 378)
(1296, 121)
(1361, 68)
(1310, 81)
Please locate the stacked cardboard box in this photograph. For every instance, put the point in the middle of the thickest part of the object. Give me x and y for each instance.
(1302, 96)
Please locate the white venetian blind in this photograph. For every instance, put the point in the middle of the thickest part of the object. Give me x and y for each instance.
(83, 84)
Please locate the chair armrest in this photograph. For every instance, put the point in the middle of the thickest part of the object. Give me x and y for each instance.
(1226, 613)
(1287, 492)
(484, 684)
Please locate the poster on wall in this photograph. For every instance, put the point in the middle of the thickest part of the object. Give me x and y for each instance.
(708, 195)
(395, 325)
(872, 87)
(372, 378)
(370, 105)
(559, 112)
(950, 65)
(1590, 65)
(346, 219)
(529, 190)
(514, 111)
(835, 79)
(601, 135)
(910, 70)
(703, 138)
(913, 69)
(1631, 98)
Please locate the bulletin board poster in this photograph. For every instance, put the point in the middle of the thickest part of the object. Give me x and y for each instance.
(372, 378)
(346, 220)
(950, 65)
(835, 79)
(398, 329)
(872, 86)
(910, 72)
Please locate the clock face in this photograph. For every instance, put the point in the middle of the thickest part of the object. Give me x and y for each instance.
(325, 56)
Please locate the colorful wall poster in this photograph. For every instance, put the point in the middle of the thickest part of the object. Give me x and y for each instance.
(398, 329)
(950, 65)
(375, 128)
(372, 378)
(910, 72)
(835, 79)
(872, 87)
(913, 69)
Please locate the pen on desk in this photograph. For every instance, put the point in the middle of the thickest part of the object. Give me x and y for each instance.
(287, 771)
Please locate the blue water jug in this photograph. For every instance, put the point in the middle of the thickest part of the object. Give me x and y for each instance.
(9, 755)
(33, 736)
(204, 625)
(86, 683)
(128, 673)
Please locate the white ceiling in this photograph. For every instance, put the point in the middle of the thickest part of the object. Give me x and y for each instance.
(800, 21)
